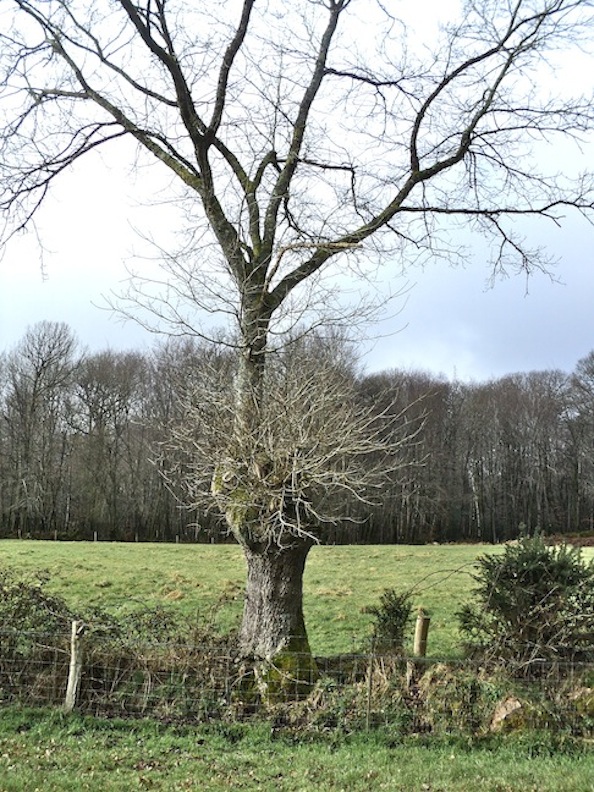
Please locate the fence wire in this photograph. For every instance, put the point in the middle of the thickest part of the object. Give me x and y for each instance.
(204, 682)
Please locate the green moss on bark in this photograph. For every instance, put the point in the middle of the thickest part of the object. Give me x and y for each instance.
(290, 675)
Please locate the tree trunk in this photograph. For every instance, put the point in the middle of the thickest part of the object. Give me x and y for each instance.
(273, 608)
(273, 638)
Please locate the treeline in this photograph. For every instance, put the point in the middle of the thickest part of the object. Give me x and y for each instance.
(80, 440)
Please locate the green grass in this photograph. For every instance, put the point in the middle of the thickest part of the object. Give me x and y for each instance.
(339, 582)
(44, 750)
(208, 579)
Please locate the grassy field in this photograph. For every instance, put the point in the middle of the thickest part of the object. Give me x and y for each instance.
(339, 582)
(43, 750)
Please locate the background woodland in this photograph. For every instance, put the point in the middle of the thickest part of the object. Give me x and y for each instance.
(84, 447)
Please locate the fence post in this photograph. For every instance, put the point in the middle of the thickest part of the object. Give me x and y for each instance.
(76, 663)
(421, 632)
(370, 683)
(419, 646)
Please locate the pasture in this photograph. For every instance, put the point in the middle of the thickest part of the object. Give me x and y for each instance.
(339, 583)
(45, 749)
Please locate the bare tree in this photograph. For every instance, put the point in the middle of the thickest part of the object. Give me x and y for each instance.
(580, 425)
(110, 395)
(294, 146)
(36, 410)
(318, 448)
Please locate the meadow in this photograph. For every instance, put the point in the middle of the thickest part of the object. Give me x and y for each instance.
(46, 749)
(340, 583)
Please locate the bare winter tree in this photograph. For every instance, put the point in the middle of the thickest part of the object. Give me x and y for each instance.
(296, 147)
(318, 447)
(37, 394)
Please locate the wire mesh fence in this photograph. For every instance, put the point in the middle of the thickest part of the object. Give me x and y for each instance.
(196, 682)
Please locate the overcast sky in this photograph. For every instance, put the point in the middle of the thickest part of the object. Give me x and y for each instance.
(450, 322)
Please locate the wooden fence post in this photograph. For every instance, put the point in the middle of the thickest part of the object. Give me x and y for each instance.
(419, 646)
(421, 632)
(76, 664)
(370, 683)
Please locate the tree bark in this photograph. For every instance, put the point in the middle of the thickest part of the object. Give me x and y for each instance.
(273, 640)
(273, 620)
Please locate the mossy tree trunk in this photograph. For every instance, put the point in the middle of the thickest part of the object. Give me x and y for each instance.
(273, 639)
(272, 634)
(273, 609)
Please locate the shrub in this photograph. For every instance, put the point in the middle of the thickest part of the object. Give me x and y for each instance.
(27, 606)
(391, 618)
(535, 607)
(455, 700)
(32, 663)
(152, 660)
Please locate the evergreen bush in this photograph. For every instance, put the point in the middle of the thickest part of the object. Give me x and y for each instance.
(534, 609)
(391, 618)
